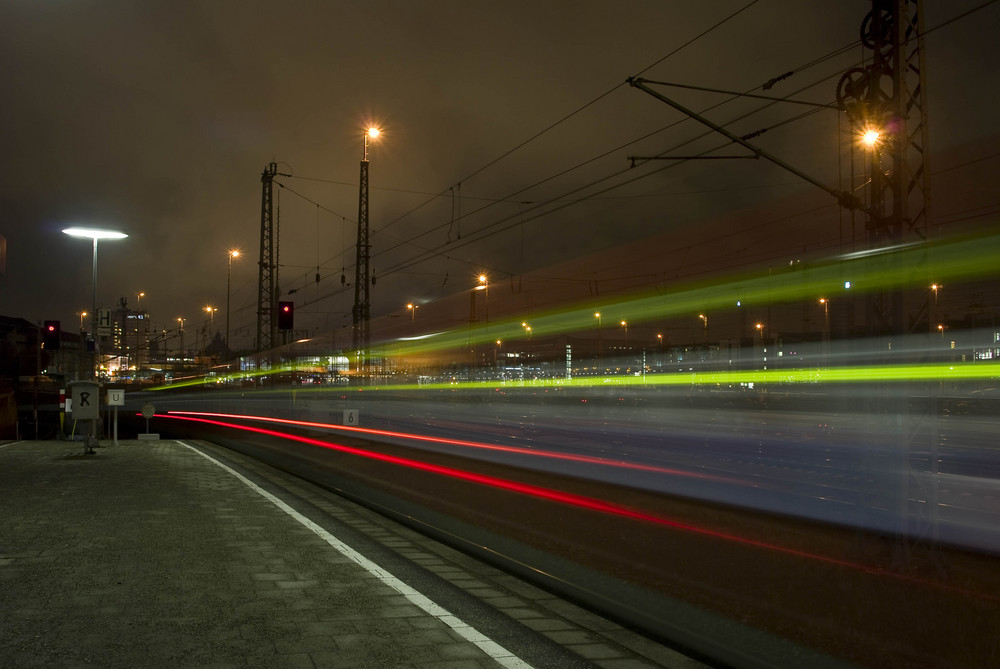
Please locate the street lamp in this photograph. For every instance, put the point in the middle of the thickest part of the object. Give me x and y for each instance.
(484, 285)
(138, 334)
(234, 253)
(413, 310)
(211, 327)
(95, 234)
(870, 137)
(371, 133)
(83, 314)
(628, 350)
(600, 341)
(362, 277)
(180, 334)
(826, 328)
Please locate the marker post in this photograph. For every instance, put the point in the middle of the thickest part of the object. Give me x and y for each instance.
(116, 398)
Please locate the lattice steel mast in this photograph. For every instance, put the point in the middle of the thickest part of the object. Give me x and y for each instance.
(268, 263)
(886, 101)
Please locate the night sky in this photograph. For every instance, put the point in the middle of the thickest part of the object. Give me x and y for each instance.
(157, 119)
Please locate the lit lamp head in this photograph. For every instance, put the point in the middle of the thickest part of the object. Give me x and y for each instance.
(372, 133)
(95, 233)
(871, 137)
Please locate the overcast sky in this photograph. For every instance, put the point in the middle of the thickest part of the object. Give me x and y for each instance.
(157, 118)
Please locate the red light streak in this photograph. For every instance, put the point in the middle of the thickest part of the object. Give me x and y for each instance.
(587, 459)
(522, 488)
(571, 499)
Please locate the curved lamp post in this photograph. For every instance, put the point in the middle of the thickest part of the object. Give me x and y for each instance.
(234, 253)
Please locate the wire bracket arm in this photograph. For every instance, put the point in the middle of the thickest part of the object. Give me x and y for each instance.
(845, 199)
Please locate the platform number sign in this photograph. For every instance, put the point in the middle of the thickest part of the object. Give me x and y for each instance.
(351, 417)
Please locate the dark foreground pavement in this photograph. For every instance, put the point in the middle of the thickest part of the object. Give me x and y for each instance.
(181, 554)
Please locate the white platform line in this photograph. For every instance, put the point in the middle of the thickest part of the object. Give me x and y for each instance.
(501, 655)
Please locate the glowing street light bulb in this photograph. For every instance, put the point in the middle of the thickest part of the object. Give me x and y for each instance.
(871, 137)
(371, 133)
(95, 233)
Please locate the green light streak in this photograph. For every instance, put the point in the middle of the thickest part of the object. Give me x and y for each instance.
(915, 266)
(231, 377)
(937, 372)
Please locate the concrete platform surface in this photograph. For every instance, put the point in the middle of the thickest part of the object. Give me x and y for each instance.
(183, 554)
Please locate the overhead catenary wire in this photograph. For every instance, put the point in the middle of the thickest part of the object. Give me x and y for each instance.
(766, 86)
(567, 117)
(475, 236)
(532, 138)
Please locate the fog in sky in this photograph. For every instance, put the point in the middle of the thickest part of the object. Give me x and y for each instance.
(506, 135)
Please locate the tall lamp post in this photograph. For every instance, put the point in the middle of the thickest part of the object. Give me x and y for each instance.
(138, 335)
(483, 285)
(362, 274)
(600, 343)
(211, 327)
(234, 253)
(826, 329)
(180, 334)
(94, 234)
(704, 320)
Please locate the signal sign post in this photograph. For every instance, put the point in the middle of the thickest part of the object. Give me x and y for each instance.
(116, 398)
(86, 406)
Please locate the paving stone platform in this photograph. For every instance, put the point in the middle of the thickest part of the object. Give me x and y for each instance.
(182, 554)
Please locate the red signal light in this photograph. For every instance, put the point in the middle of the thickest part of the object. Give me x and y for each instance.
(286, 315)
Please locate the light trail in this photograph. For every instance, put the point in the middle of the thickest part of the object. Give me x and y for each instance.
(954, 260)
(971, 371)
(965, 371)
(946, 261)
(587, 459)
(585, 502)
